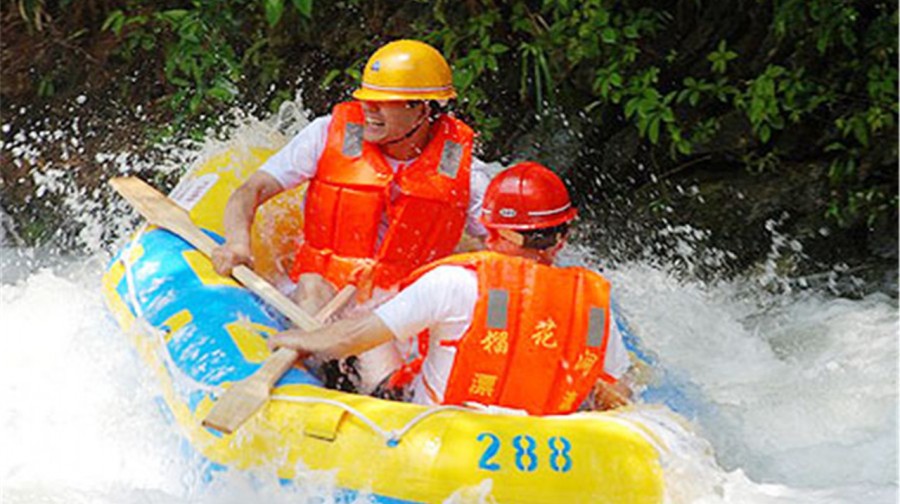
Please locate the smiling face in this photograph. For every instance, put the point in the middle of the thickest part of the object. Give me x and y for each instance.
(388, 121)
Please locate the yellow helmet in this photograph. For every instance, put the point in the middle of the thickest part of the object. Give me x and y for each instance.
(406, 70)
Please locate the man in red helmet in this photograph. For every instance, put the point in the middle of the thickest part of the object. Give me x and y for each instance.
(502, 327)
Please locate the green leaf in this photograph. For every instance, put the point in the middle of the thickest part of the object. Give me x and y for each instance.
(835, 146)
(631, 32)
(463, 78)
(776, 122)
(822, 43)
(195, 103)
(608, 35)
(602, 17)
(304, 7)
(861, 132)
(694, 98)
(631, 107)
(332, 74)
(114, 21)
(173, 14)
(492, 63)
(653, 131)
(668, 116)
(274, 10)
(765, 133)
(642, 125)
(219, 93)
(178, 81)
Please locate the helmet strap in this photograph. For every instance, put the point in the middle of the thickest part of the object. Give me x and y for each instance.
(420, 121)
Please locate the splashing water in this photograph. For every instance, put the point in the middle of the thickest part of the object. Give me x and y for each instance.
(798, 388)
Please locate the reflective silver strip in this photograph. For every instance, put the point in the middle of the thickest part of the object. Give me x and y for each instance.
(407, 89)
(498, 309)
(353, 138)
(596, 327)
(550, 212)
(451, 155)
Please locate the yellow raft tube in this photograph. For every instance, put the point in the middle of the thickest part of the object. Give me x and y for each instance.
(200, 332)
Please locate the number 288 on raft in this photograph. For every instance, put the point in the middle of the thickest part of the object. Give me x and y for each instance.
(529, 456)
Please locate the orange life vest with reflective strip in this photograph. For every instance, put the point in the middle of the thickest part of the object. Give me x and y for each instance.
(538, 336)
(352, 190)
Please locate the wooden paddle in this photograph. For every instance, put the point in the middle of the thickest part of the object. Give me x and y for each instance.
(244, 398)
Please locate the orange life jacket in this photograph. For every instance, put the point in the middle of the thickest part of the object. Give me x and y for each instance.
(347, 199)
(538, 336)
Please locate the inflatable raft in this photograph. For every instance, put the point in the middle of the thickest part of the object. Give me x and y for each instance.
(200, 333)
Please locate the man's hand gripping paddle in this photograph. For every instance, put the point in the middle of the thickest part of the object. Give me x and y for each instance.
(244, 398)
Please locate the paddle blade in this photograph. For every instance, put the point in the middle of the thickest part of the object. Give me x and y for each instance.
(244, 398)
(237, 405)
(162, 211)
(149, 202)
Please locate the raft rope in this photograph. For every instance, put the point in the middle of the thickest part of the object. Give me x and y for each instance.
(129, 276)
(178, 376)
(391, 436)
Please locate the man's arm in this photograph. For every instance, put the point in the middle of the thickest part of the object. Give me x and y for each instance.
(239, 214)
(447, 293)
(617, 364)
(610, 395)
(294, 164)
(340, 339)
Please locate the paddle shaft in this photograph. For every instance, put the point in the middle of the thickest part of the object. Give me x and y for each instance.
(281, 361)
(165, 213)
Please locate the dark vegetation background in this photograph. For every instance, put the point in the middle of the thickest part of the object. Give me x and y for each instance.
(769, 126)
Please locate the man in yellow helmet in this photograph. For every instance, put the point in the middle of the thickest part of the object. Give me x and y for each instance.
(392, 184)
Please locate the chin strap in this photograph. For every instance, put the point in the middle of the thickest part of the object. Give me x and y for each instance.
(420, 121)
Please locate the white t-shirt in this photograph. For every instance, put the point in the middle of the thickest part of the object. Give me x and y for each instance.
(443, 301)
(298, 161)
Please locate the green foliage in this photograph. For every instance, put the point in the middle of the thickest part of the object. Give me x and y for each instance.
(720, 58)
(204, 49)
(199, 61)
(824, 68)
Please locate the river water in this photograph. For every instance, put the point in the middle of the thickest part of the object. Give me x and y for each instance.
(796, 388)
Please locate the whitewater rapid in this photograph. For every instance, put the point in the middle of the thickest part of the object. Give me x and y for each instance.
(797, 388)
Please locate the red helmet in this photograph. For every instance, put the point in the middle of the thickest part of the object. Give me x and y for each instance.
(526, 196)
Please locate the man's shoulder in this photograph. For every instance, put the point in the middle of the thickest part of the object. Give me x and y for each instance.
(479, 179)
(311, 136)
(320, 123)
(446, 274)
